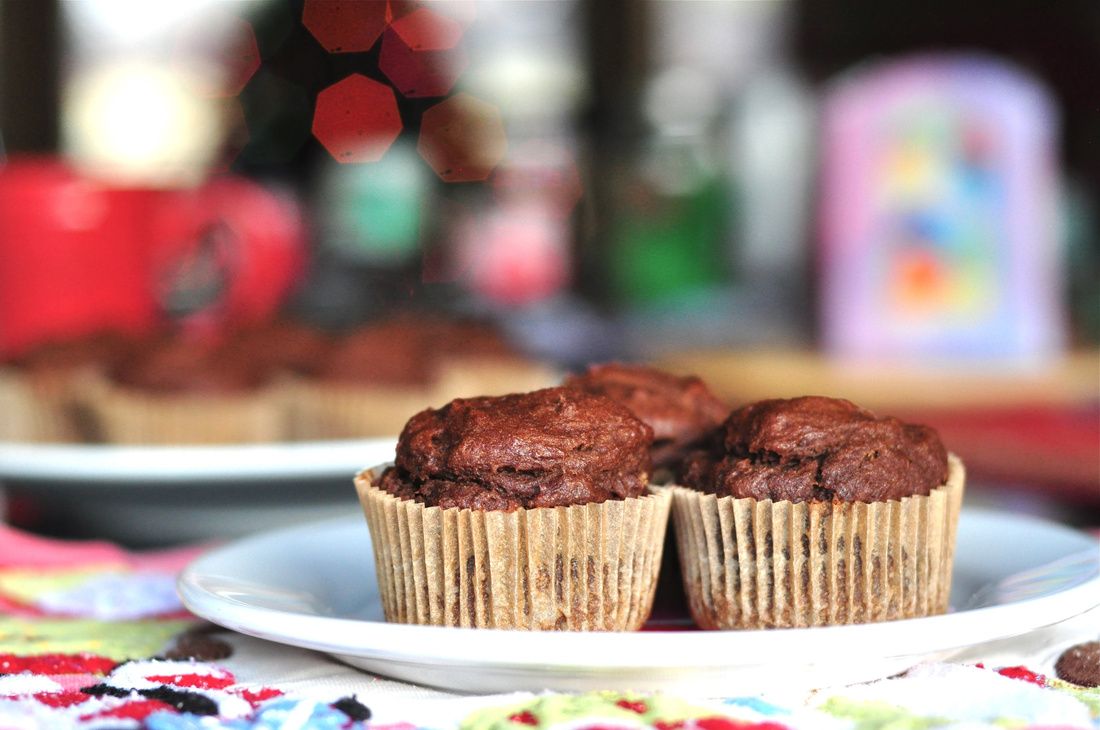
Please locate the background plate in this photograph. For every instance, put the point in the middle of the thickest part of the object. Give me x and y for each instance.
(314, 587)
(81, 464)
(145, 496)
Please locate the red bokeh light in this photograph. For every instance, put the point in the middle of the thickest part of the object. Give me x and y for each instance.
(516, 255)
(345, 26)
(356, 119)
(462, 12)
(419, 74)
(462, 138)
(426, 30)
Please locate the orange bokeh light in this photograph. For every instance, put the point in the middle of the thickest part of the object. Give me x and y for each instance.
(462, 138)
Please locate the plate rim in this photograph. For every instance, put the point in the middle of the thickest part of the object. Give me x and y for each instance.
(675, 649)
(124, 465)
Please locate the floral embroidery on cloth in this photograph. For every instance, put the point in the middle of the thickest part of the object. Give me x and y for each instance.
(92, 636)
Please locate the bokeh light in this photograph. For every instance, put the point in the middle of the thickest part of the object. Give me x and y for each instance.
(345, 26)
(416, 73)
(462, 138)
(226, 57)
(356, 119)
(426, 30)
(539, 169)
(462, 12)
(140, 123)
(515, 254)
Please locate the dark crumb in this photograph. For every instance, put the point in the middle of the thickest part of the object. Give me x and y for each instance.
(1080, 664)
(353, 708)
(183, 701)
(201, 647)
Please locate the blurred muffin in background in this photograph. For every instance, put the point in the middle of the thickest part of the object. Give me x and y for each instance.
(180, 390)
(43, 387)
(376, 377)
(16, 406)
(475, 359)
(682, 411)
(282, 346)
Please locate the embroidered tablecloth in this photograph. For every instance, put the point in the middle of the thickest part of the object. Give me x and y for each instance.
(93, 636)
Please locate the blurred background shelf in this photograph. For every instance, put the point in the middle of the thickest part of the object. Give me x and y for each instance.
(742, 376)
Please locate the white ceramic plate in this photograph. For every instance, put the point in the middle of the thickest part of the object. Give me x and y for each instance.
(314, 587)
(150, 465)
(163, 495)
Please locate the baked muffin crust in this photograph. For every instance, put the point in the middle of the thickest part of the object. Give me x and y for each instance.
(547, 448)
(816, 448)
(682, 411)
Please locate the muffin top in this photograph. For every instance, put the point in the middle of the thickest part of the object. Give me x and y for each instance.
(180, 365)
(680, 410)
(385, 353)
(406, 350)
(815, 448)
(547, 448)
(282, 345)
(101, 349)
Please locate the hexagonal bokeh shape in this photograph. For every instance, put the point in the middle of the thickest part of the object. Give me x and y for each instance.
(356, 119)
(426, 30)
(462, 138)
(462, 12)
(419, 74)
(345, 26)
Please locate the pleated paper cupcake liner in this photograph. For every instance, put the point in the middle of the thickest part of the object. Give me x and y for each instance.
(18, 406)
(331, 411)
(126, 416)
(751, 563)
(590, 567)
(43, 407)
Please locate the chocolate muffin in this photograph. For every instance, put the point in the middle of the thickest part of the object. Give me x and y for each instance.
(283, 346)
(813, 511)
(178, 365)
(548, 448)
(183, 391)
(682, 411)
(407, 350)
(53, 377)
(63, 356)
(377, 376)
(384, 353)
(815, 448)
(524, 511)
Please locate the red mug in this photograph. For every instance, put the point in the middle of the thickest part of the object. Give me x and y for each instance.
(78, 256)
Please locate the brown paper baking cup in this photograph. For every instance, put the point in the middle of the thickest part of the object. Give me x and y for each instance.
(17, 406)
(758, 564)
(328, 411)
(125, 416)
(46, 404)
(590, 567)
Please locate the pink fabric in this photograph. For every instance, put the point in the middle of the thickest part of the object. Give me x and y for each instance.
(23, 550)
